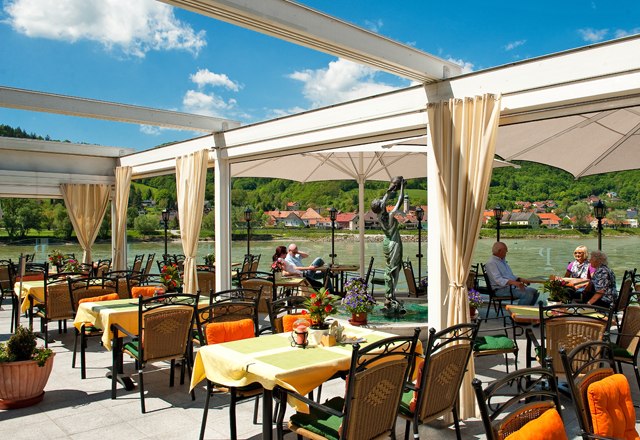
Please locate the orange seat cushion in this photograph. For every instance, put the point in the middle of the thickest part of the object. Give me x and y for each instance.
(548, 426)
(38, 277)
(218, 332)
(108, 297)
(611, 407)
(143, 291)
(288, 320)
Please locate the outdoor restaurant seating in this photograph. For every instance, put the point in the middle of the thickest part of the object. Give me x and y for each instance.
(164, 329)
(565, 325)
(290, 306)
(500, 340)
(495, 299)
(524, 404)
(256, 280)
(624, 295)
(627, 343)
(440, 375)
(206, 282)
(149, 264)
(369, 408)
(119, 277)
(586, 364)
(367, 274)
(56, 306)
(88, 290)
(417, 287)
(229, 320)
(6, 289)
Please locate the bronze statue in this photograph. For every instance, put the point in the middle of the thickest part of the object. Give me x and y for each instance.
(392, 244)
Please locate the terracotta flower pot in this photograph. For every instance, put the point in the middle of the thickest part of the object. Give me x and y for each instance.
(472, 311)
(22, 383)
(359, 318)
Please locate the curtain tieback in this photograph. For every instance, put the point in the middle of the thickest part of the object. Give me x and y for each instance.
(457, 285)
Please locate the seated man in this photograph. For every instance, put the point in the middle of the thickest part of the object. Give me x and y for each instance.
(294, 259)
(502, 278)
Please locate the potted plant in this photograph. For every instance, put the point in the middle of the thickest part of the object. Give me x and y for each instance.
(72, 265)
(358, 301)
(170, 277)
(558, 290)
(20, 358)
(210, 259)
(475, 300)
(56, 258)
(320, 305)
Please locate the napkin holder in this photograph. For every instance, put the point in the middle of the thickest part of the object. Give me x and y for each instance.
(328, 340)
(334, 336)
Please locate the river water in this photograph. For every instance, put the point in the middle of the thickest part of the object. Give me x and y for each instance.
(527, 257)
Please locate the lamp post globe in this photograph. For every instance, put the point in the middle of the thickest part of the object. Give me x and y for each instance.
(599, 212)
(498, 211)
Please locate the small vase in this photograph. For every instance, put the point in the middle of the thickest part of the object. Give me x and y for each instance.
(358, 318)
(318, 323)
(472, 311)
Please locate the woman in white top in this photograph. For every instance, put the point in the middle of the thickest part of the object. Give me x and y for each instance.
(580, 267)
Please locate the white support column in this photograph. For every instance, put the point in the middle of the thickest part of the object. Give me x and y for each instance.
(222, 215)
(361, 219)
(438, 280)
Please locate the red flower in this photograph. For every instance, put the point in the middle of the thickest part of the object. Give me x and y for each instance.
(313, 296)
(304, 312)
(328, 308)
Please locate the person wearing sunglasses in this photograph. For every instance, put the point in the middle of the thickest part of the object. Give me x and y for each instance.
(580, 267)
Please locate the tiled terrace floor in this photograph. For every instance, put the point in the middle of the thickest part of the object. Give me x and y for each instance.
(79, 409)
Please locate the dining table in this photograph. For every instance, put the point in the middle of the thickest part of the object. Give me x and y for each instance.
(274, 361)
(29, 292)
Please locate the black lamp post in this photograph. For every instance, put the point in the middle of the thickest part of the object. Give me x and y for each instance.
(599, 211)
(247, 218)
(497, 213)
(165, 220)
(333, 214)
(419, 216)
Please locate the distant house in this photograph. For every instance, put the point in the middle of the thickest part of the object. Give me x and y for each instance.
(347, 220)
(288, 219)
(632, 213)
(371, 220)
(523, 219)
(630, 223)
(148, 203)
(550, 220)
(310, 217)
(293, 206)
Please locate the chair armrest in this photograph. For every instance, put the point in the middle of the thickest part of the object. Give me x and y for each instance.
(117, 328)
(284, 393)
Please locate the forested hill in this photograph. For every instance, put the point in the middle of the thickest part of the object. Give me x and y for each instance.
(532, 182)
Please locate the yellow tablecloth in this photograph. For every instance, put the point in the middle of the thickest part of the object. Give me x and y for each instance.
(30, 289)
(271, 360)
(104, 313)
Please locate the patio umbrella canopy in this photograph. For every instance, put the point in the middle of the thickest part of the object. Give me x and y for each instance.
(582, 144)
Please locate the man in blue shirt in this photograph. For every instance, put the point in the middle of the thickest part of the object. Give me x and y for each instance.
(295, 256)
(504, 282)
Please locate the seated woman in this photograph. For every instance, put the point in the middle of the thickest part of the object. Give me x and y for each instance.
(580, 267)
(602, 288)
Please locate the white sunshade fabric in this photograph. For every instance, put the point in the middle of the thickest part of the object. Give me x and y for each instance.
(583, 144)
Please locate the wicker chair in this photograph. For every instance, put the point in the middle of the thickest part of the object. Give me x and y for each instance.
(230, 310)
(566, 325)
(439, 378)
(260, 280)
(509, 403)
(499, 340)
(414, 285)
(164, 328)
(137, 263)
(206, 282)
(289, 305)
(56, 306)
(6, 288)
(585, 364)
(369, 408)
(627, 346)
(624, 295)
(149, 264)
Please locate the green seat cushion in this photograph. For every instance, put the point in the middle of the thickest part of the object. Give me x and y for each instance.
(133, 348)
(493, 342)
(320, 422)
(405, 402)
(619, 352)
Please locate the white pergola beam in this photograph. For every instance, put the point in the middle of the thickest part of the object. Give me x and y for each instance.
(310, 28)
(110, 111)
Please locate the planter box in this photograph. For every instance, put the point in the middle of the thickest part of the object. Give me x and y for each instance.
(22, 383)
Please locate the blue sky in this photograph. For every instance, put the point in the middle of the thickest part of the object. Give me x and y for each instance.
(146, 53)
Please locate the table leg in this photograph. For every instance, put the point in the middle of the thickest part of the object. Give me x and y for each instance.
(267, 416)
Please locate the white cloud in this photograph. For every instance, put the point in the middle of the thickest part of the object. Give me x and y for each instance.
(374, 25)
(205, 77)
(341, 81)
(134, 27)
(593, 35)
(512, 45)
(619, 33)
(208, 104)
(466, 66)
(279, 112)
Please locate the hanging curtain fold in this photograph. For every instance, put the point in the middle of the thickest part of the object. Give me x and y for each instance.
(463, 134)
(191, 174)
(86, 205)
(121, 201)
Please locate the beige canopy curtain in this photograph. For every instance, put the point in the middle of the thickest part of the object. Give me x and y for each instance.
(86, 205)
(463, 133)
(191, 176)
(121, 201)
